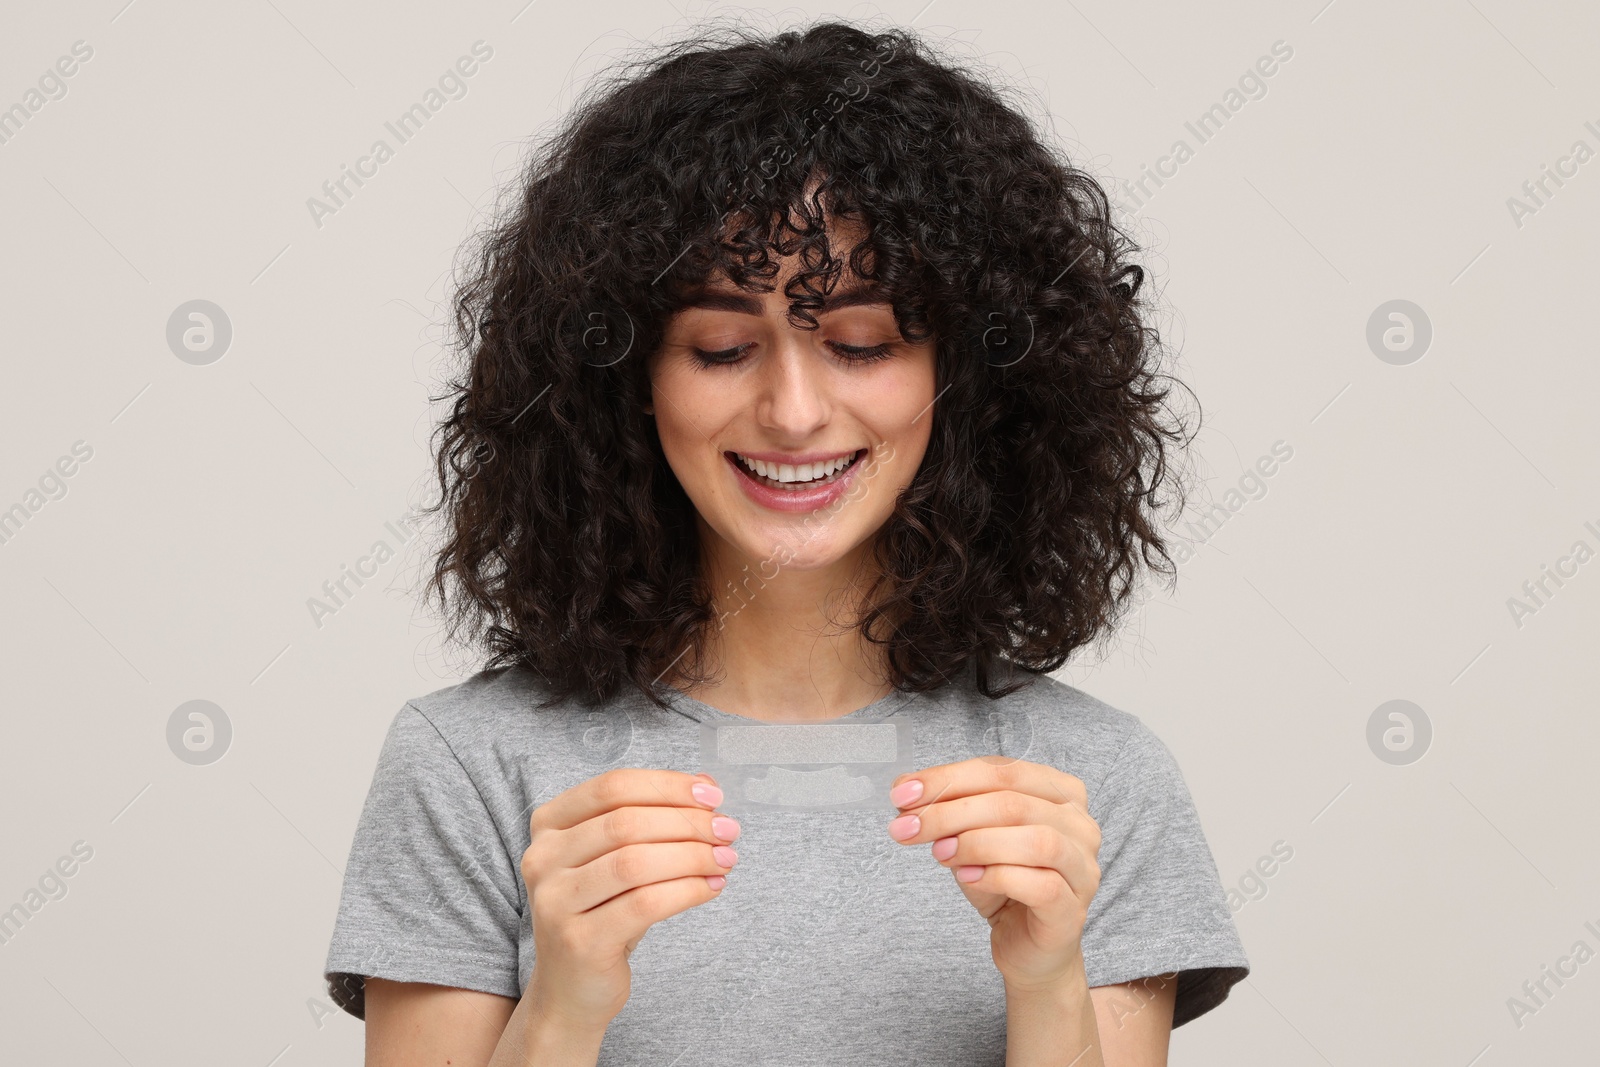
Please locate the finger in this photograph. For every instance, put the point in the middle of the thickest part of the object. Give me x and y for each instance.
(950, 817)
(984, 774)
(627, 917)
(607, 832)
(1024, 846)
(577, 889)
(1039, 888)
(623, 787)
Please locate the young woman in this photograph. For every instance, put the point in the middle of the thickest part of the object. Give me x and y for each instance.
(805, 383)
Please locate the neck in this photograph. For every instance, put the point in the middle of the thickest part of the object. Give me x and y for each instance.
(785, 645)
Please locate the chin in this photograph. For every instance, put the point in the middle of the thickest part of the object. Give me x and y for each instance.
(799, 547)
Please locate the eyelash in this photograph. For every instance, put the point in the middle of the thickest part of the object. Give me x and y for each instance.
(850, 353)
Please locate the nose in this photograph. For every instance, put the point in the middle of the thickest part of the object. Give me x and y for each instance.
(794, 400)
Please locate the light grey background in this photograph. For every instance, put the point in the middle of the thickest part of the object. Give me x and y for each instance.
(1378, 566)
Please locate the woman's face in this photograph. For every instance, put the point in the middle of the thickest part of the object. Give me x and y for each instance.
(793, 444)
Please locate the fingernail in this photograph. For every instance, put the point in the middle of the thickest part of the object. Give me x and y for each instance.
(716, 881)
(905, 826)
(709, 795)
(725, 828)
(969, 874)
(906, 793)
(944, 848)
(725, 856)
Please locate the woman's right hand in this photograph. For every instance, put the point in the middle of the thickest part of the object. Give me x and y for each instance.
(609, 858)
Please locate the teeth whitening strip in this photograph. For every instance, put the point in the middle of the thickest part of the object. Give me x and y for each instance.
(783, 766)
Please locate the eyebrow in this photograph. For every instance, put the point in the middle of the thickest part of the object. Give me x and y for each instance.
(739, 301)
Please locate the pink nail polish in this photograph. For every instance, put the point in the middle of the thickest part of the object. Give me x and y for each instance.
(716, 881)
(707, 794)
(724, 855)
(906, 793)
(725, 828)
(944, 848)
(905, 826)
(969, 874)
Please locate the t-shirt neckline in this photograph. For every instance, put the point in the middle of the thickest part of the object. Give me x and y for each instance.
(682, 702)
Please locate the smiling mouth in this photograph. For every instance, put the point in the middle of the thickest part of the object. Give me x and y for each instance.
(792, 477)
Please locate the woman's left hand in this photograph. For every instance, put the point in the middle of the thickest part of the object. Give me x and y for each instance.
(1023, 847)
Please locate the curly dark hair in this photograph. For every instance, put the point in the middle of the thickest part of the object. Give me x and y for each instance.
(570, 548)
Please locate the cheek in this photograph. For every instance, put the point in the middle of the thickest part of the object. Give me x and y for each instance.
(673, 427)
(683, 412)
(892, 405)
(898, 406)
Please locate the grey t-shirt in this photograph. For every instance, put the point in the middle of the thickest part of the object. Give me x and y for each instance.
(830, 939)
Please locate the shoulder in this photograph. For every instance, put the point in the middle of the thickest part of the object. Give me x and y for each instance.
(500, 729)
(483, 703)
(1083, 734)
(504, 709)
(468, 728)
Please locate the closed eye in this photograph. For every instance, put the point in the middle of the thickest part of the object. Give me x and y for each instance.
(849, 353)
(722, 357)
(858, 354)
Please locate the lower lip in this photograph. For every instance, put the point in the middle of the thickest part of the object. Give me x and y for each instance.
(795, 499)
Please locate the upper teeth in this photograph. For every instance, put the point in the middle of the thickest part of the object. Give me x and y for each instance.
(804, 472)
